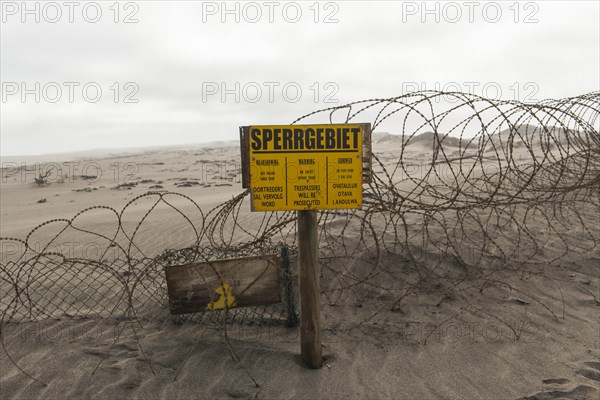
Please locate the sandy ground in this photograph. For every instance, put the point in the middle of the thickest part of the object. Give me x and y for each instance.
(430, 347)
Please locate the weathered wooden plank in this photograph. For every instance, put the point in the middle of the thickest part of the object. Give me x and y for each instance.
(223, 283)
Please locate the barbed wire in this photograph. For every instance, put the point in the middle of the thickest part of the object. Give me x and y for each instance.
(472, 190)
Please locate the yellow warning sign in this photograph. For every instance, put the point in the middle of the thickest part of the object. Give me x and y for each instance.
(305, 167)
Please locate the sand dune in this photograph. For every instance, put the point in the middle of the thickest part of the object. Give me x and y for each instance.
(537, 339)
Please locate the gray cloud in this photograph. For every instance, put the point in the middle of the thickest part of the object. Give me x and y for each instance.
(173, 57)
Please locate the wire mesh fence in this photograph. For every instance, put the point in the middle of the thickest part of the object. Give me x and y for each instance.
(39, 284)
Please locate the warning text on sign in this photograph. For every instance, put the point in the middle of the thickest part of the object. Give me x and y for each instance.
(305, 167)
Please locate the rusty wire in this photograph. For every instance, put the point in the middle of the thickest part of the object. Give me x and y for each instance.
(473, 189)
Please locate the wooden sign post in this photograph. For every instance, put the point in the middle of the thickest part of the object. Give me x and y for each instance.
(310, 289)
(306, 168)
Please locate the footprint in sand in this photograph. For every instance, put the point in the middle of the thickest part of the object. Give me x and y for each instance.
(591, 370)
(563, 389)
(557, 381)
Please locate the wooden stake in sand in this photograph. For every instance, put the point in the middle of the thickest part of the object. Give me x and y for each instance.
(310, 289)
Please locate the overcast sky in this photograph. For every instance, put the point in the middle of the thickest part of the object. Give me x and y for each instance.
(87, 75)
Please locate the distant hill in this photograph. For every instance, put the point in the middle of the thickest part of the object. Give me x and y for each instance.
(533, 134)
(426, 138)
(526, 130)
(378, 137)
(520, 134)
(432, 137)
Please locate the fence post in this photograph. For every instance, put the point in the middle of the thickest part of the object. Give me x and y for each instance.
(310, 290)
